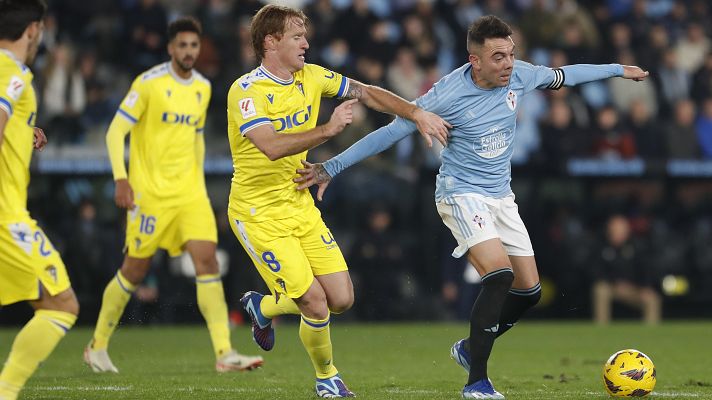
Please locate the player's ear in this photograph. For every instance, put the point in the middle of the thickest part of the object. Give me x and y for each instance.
(474, 60)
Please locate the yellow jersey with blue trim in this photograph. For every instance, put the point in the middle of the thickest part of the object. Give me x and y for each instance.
(168, 113)
(18, 101)
(262, 189)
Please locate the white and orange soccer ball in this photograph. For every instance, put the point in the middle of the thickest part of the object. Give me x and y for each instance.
(629, 373)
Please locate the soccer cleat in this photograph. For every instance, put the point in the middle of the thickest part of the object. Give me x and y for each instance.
(332, 387)
(262, 331)
(460, 355)
(99, 361)
(234, 361)
(481, 389)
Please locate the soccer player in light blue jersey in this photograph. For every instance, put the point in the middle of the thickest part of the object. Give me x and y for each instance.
(473, 194)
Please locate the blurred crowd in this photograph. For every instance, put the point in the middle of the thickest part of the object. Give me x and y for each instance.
(382, 210)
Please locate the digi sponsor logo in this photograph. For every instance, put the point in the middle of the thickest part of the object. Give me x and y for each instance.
(291, 121)
(175, 118)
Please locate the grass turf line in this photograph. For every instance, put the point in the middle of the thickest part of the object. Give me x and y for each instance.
(535, 360)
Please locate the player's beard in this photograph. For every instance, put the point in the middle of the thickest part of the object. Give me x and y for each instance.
(186, 65)
(32, 49)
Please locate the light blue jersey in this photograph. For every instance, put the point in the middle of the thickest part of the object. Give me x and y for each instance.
(477, 157)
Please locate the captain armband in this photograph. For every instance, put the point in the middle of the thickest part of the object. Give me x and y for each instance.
(558, 81)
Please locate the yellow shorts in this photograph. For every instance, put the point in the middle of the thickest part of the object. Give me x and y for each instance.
(289, 252)
(27, 258)
(149, 227)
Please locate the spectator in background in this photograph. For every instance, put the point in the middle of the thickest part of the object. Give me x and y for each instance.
(404, 75)
(560, 139)
(703, 126)
(647, 135)
(380, 262)
(680, 135)
(146, 24)
(611, 139)
(702, 81)
(674, 81)
(624, 91)
(692, 48)
(64, 95)
(621, 275)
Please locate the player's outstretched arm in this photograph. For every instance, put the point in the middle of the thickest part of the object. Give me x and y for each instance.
(276, 146)
(313, 174)
(429, 125)
(372, 144)
(577, 74)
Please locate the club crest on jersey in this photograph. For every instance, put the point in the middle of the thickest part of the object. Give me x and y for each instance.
(247, 107)
(300, 87)
(168, 92)
(270, 97)
(511, 100)
(199, 96)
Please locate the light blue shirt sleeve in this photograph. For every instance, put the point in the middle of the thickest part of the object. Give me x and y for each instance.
(582, 73)
(372, 144)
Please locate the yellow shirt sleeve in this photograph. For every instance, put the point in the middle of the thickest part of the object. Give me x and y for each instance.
(11, 88)
(332, 83)
(129, 112)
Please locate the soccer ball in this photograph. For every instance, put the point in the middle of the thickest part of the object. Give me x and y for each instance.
(629, 373)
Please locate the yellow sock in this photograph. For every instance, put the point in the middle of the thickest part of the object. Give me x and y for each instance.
(33, 345)
(272, 306)
(211, 301)
(116, 295)
(316, 337)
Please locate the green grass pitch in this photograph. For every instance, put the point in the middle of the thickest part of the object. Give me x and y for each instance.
(535, 360)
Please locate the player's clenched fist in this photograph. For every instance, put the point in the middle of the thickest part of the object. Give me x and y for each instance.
(124, 196)
(342, 116)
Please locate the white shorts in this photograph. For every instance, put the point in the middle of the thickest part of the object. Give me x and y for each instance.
(474, 218)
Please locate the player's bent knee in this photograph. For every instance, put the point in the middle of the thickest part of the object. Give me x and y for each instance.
(341, 305)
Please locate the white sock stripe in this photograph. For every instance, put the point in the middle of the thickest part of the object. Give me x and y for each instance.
(526, 292)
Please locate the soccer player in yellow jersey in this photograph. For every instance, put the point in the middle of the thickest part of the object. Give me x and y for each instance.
(30, 268)
(272, 113)
(165, 193)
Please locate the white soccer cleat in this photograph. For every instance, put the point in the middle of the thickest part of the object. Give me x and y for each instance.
(99, 361)
(234, 361)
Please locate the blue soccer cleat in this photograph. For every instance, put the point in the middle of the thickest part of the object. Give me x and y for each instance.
(262, 331)
(460, 355)
(332, 387)
(481, 389)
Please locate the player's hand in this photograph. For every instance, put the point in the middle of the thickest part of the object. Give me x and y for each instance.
(313, 174)
(342, 116)
(40, 139)
(124, 195)
(634, 73)
(431, 125)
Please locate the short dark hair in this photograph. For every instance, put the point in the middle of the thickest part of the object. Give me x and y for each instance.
(184, 24)
(487, 27)
(17, 15)
(271, 20)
